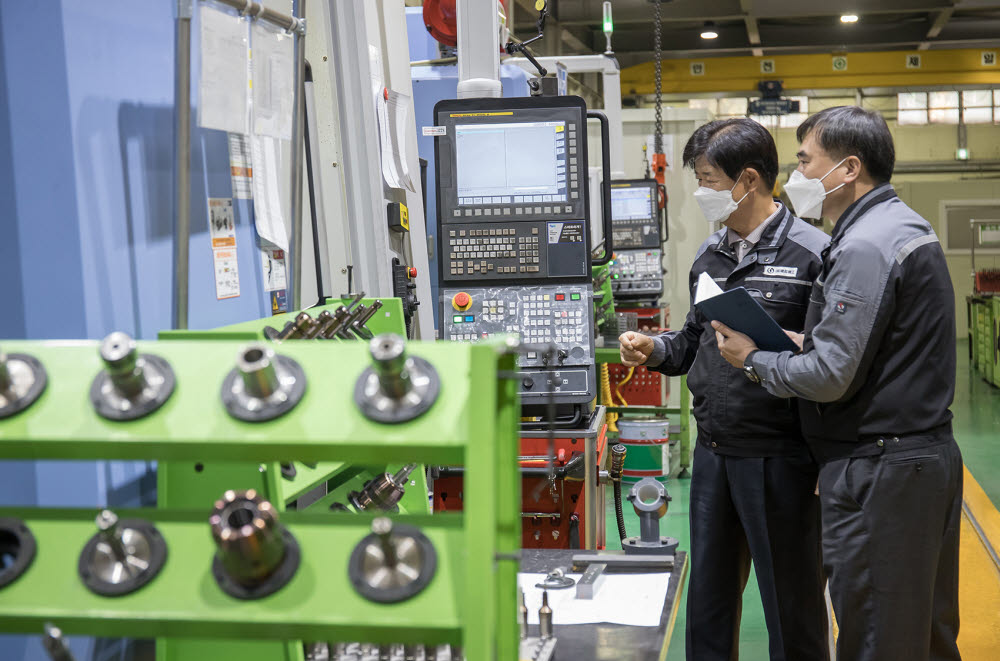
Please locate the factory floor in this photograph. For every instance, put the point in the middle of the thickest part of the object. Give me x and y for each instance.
(977, 429)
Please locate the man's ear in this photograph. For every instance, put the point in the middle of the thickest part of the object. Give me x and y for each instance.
(852, 168)
(752, 179)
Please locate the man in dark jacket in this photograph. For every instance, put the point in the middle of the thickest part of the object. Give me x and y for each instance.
(753, 481)
(878, 364)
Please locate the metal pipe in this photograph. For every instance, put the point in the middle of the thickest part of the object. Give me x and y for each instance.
(310, 129)
(262, 13)
(478, 49)
(182, 160)
(298, 141)
(590, 512)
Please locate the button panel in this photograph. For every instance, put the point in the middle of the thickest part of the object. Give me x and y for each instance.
(637, 272)
(560, 315)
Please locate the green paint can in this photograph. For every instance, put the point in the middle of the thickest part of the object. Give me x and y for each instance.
(647, 443)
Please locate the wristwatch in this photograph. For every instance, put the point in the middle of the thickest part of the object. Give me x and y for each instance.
(748, 369)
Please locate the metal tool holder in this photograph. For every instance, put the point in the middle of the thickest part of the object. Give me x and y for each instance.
(468, 601)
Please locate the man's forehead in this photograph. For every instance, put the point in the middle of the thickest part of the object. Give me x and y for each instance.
(702, 166)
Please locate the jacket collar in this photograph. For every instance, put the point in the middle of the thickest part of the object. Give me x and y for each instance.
(770, 242)
(860, 207)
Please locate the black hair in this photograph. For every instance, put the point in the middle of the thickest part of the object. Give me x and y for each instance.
(733, 145)
(852, 131)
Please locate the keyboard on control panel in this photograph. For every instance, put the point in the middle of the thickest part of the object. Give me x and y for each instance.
(488, 251)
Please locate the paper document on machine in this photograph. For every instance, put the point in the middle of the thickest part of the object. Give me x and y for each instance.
(222, 80)
(268, 217)
(630, 599)
(273, 61)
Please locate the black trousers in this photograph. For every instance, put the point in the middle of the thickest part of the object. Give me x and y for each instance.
(890, 548)
(764, 510)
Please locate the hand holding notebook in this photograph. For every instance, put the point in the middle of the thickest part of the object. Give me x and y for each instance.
(737, 309)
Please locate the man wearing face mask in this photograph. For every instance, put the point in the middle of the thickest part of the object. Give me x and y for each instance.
(878, 364)
(753, 481)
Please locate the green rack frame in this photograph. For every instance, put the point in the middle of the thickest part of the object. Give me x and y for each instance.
(471, 600)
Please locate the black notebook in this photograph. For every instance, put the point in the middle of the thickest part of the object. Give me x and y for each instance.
(737, 309)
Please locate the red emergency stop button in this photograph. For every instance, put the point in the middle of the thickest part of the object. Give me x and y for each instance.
(411, 272)
(461, 301)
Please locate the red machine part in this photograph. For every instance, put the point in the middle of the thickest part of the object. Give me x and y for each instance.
(559, 522)
(643, 388)
(659, 164)
(440, 20)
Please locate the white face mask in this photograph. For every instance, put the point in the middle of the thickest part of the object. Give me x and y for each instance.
(807, 195)
(718, 205)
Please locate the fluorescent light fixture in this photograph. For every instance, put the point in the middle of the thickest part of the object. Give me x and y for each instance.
(849, 18)
(709, 31)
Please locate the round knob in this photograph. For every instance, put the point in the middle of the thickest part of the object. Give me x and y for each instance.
(461, 301)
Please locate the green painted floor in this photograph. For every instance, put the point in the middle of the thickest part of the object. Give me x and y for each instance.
(977, 429)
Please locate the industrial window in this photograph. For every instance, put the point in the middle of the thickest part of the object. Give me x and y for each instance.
(978, 107)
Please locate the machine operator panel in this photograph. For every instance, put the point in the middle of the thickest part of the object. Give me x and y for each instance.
(635, 216)
(560, 317)
(512, 190)
(636, 271)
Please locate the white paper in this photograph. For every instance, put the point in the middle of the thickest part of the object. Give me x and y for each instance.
(240, 166)
(629, 599)
(273, 264)
(393, 115)
(706, 288)
(268, 216)
(227, 274)
(272, 59)
(222, 83)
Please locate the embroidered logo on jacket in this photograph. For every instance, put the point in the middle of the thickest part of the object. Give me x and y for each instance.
(789, 271)
(841, 307)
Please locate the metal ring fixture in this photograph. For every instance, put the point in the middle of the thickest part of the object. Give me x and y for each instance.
(22, 381)
(393, 563)
(556, 580)
(18, 545)
(263, 386)
(122, 557)
(397, 388)
(131, 385)
(256, 556)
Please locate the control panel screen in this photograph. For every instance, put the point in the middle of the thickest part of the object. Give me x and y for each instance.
(511, 163)
(631, 203)
(635, 220)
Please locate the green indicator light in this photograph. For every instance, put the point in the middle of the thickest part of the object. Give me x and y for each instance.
(574, 297)
(457, 319)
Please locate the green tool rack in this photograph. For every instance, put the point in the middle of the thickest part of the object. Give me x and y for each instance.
(471, 600)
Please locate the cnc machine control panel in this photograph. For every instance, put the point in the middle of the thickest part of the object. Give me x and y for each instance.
(514, 235)
(636, 272)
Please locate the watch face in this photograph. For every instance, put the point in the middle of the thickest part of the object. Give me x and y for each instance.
(751, 373)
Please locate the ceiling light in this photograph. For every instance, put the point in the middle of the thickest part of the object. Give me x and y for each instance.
(709, 31)
(849, 18)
